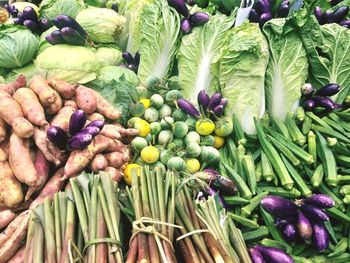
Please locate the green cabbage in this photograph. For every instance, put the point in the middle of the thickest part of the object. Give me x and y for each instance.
(103, 25)
(43, 44)
(17, 46)
(21, 5)
(198, 52)
(160, 27)
(51, 8)
(106, 74)
(241, 73)
(287, 70)
(28, 71)
(75, 64)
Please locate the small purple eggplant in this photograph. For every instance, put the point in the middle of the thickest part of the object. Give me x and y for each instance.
(199, 18)
(254, 16)
(274, 255)
(318, 13)
(290, 233)
(137, 58)
(185, 26)
(128, 57)
(263, 6)
(264, 18)
(320, 237)
(283, 11)
(44, 23)
(307, 89)
(214, 101)
(57, 136)
(218, 182)
(31, 25)
(97, 123)
(188, 107)
(212, 192)
(340, 13)
(79, 141)
(282, 222)
(223, 102)
(314, 213)
(55, 38)
(279, 206)
(328, 90)
(320, 200)
(304, 226)
(326, 18)
(93, 130)
(17, 21)
(324, 102)
(309, 104)
(203, 99)
(180, 7)
(345, 23)
(77, 122)
(218, 110)
(255, 255)
(334, 2)
(29, 13)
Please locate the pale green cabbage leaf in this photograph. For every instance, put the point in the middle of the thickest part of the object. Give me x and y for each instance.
(106, 74)
(51, 8)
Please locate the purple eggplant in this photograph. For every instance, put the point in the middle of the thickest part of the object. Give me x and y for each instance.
(290, 233)
(256, 256)
(345, 23)
(318, 13)
(254, 16)
(218, 110)
(29, 13)
(324, 102)
(188, 107)
(264, 18)
(57, 136)
(218, 182)
(31, 25)
(17, 21)
(77, 122)
(328, 90)
(223, 102)
(279, 206)
(44, 23)
(128, 57)
(320, 200)
(199, 18)
(304, 226)
(62, 21)
(263, 6)
(326, 18)
(274, 255)
(79, 141)
(55, 38)
(185, 26)
(12, 10)
(209, 191)
(72, 36)
(307, 89)
(282, 222)
(93, 130)
(334, 2)
(314, 213)
(137, 59)
(320, 237)
(340, 13)
(180, 7)
(203, 99)
(115, 7)
(283, 11)
(97, 123)
(309, 104)
(214, 101)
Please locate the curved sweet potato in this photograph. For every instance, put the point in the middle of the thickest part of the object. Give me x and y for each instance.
(10, 88)
(116, 174)
(116, 159)
(62, 118)
(19, 257)
(2, 130)
(11, 228)
(105, 108)
(99, 163)
(10, 188)
(6, 217)
(56, 106)
(3, 155)
(95, 116)
(65, 89)
(42, 89)
(86, 99)
(71, 103)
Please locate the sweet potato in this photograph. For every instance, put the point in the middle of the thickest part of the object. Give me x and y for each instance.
(95, 116)
(71, 103)
(5, 146)
(31, 106)
(2, 130)
(65, 89)
(20, 160)
(42, 89)
(99, 163)
(11, 228)
(111, 131)
(105, 108)
(14, 241)
(56, 106)
(86, 99)
(11, 113)
(62, 118)
(116, 159)
(116, 174)
(19, 257)
(3, 155)
(11, 88)
(6, 217)
(126, 132)
(10, 188)
(42, 167)
(54, 185)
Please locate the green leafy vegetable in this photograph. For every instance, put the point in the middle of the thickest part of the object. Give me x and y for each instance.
(160, 27)
(242, 73)
(51, 8)
(287, 69)
(28, 71)
(109, 73)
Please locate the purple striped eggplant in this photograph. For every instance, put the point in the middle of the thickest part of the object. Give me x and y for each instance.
(340, 13)
(180, 7)
(97, 123)
(279, 206)
(274, 255)
(314, 213)
(320, 237)
(214, 101)
(320, 200)
(55, 38)
(93, 130)
(290, 233)
(79, 141)
(185, 26)
(264, 18)
(57, 136)
(328, 90)
(203, 100)
(188, 107)
(309, 104)
(303, 226)
(324, 102)
(199, 18)
(77, 122)
(254, 16)
(256, 256)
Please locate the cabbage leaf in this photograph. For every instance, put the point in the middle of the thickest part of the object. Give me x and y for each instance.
(287, 70)
(160, 28)
(242, 67)
(51, 8)
(28, 71)
(109, 73)
(198, 52)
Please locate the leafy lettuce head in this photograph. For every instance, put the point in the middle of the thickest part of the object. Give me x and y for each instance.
(17, 46)
(103, 25)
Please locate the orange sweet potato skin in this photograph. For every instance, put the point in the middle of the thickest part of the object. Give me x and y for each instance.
(65, 89)
(99, 163)
(3, 155)
(86, 99)
(56, 106)
(11, 88)
(116, 174)
(31, 106)
(10, 188)
(62, 118)
(2, 130)
(116, 159)
(42, 89)
(19, 257)
(105, 108)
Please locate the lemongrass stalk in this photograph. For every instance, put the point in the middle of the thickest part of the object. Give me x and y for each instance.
(91, 252)
(238, 242)
(167, 184)
(102, 248)
(30, 239)
(171, 205)
(57, 215)
(63, 212)
(80, 241)
(49, 232)
(152, 196)
(132, 253)
(111, 258)
(69, 230)
(153, 183)
(39, 240)
(161, 203)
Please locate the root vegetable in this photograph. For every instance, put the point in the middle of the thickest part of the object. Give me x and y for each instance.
(56, 106)
(11, 88)
(116, 174)
(62, 118)
(14, 117)
(31, 106)
(65, 89)
(71, 103)
(19, 257)
(42, 167)
(99, 163)
(10, 188)
(116, 159)
(42, 89)
(111, 131)
(2, 130)
(86, 99)
(126, 132)
(20, 160)
(95, 116)
(3, 155)
(6, 217)
(105, 108)
(11, 228)
(54, 185)
(13, 242)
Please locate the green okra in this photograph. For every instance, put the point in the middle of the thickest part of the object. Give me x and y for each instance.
(267, 171)
(331, 231)
(306, 127)
(274, 243)
(281, 127)
(340, 248)
(311, 145)
(238, 131)
(285, 151)
(301, 259)
(243, 221)
(280, 191)
(294, 131)
(258, 171)
(253, 204)
(344, 179)
(257, 234)
(317, 177)
(343, 160)
(317, 120)
(324, 259)
(337, 214)
(300, 114)
(257, 154)
(345, 190)
(235, 200)
(346, 199)
(298, 248)
(330, 132)
(334, 125)
(249, 171)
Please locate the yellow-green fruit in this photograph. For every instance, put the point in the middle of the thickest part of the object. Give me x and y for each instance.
(205, 127)
(143, 127)
(150, 154)
(192, 165)
(129, 169)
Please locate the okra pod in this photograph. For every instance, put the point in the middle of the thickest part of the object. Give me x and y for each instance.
(317, 119)
(345, 190)
(258, 171)
(340, 248)
(294, 131)
(274, 243)
(257, 234)
(337, 214)
(257, 154)
(344, 179)
(240, 152)
(312, 146)
(330, 229)
(238, 131)
(249, 171)
(301, 259)
(267, 170)
(298, 248)
(281, 127)
(244, 221)
(317, 177)
(343, 160)
(346, 199)
(300, 114)
(330, 132)
(235, 200)
(285, 151)
(324, 259)
(253, 204)
(334, 125)
(306, 127)
(279, 191)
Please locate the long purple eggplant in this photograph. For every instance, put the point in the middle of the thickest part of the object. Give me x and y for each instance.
(274, 255)
(314, 213)
(320, 237)
(62, 21)
(218, 110)
(324, 102)
(180, 7)
(79, 141)
(345, 23)
(309, 104)
(188, 107)
(97, 123)
(72, 36)
(304, 226)
(77, 122)
(264, 18)
(29, 13)
(55, 38)
(185, 26)
(256, 256)
(57, 136)
(31, 25)
(44, 23)
(93, 130)
(218, 182)
(326, 17)
(203, 99)
(254, 16)
(279, 206)
(290, 233)
(282, 222)
(128, 57)
(340, 13)
(318, 13)
(283, 11)
(214, 101)
(328, 90)
(263, 6)
(320, 200)
(199, 18)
